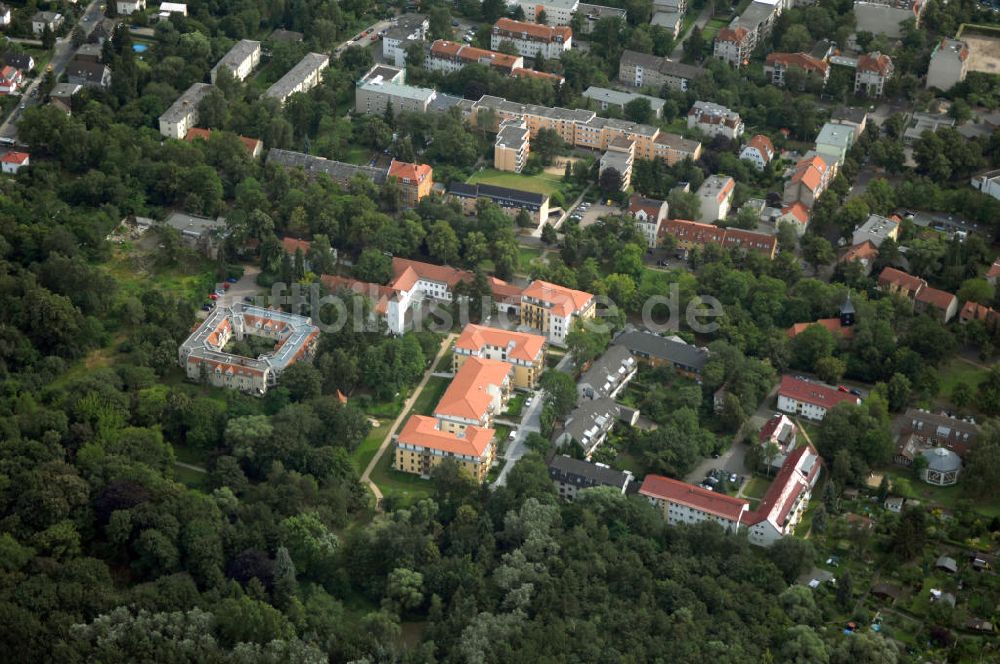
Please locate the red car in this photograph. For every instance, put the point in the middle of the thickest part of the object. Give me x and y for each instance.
(226, 286)
(213, 296)
(842, 388)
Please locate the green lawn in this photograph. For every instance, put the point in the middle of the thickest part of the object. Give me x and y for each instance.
(190, 478)
(948, 497)
(366, 450)
(356, 154)
(542, 183)
(514, 406)
(955, 372)
(756, 487)
(428, 399)
(404, 487)
(712, 27)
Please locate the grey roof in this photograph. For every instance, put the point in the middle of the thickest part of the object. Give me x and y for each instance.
(606, 372)
(756, 14)
(20, 61)
(385, 72)
(240, 51)
(940, 426)
(46, 17)
(668, 19)
(946, 562)
(599, 11)
(585, 474)
(400, 90)
(590, 419)
(64, 90)
(312, 165)
(300, 72)
(942, 460)
(647, 344)
(85, 71)
(847, 307)
(186, 102)
(511, 135)
(90, 50)
(617, 98)
(280, 34)
(442, 102)
(193, 226)
(633, 58)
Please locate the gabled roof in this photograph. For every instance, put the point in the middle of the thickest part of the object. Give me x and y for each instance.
(378, 294)
(195, 133)
(534, 30)
(647, 344)
(859, 252)
(797, 211)
(801, 60)
(468, 393)
(564, 301)
(407, 272)
(936, 298)
(413, 173)
(444, 49)
(424, 431)
(15, 158)
(519, 345)
(586, 473)
(735, 35)
(291, 245)
(892, 277)
(650, 206)
(810, 172)
(795, 477)
(682, 493)
(832, 324)
(994, 270)
(876, 62)
(762, 144)
(813, 393)
(523, 72)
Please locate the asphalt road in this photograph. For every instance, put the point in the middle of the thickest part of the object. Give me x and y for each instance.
(62, 54)
(530, 422)
(364, 38)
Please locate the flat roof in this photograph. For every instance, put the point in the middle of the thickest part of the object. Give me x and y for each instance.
(619, 98)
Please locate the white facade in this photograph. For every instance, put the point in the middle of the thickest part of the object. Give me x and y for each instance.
(557, 12)
(12, 167)
(988, 183)
(241, 60)
(4, 15)
(529, 45)
(168, 8)
(128, 7)
(807, 410)
(752, 154)
(716, 196)
(183, 113)
(715, 120)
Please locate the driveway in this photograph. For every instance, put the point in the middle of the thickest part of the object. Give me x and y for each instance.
(732, 461)
(530, 422)
(364, 40)
(703, 18)
(596, 211)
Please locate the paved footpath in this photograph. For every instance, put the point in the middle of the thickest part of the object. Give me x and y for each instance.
(407, 406)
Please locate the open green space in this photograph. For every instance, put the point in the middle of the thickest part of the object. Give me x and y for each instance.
(190, 478)
(756, 487)
(428, 399)
(363, 455)
(134, 270)
(405, 488)
(945, 497)
(956, 372)
(712, 28)
(542, 183)
(515, 405)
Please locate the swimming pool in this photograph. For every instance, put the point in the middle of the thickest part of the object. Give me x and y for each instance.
(140, 48)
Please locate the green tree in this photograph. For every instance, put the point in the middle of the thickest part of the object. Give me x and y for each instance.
(560, 392)
(442, 243)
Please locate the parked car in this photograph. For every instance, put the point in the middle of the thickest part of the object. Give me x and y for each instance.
(232, 280)
(841, 388)
(206, 307)
(213, 296)
(512, 435)
(856, 392)
(248, 298)
(226, 286)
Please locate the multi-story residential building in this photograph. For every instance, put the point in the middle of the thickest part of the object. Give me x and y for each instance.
(303, 77)
(715, 120)
(51, 20)
(949, 64)
(416, 180)
(786, 499)
(778, 431)
(590, 15)
(129, 7)
(759, 150)
(672, 148)
(338, 171)
(183, 113)
(657, 351)
(876, 229)
(811, 178)
(606, 98)
(855, 118)
(590, 422)
(608, 375)
(758, 20)
(642, 70)
(733, 45)
(449, 56)
(833, 142)
(897, 282)
(524, 352)
(383, 87)
(796, 214)
(512, 147)
(716, 196)
(619, 158)
(922, 429)
(204, 358)
(872, 73)
(424, 443)
(808, 399)
(10, 80)
(936, 302)
(408, 29)
(530, 39)
(571, 476)
(887, 17)
(553, 309)
(777, 65)
(557, 12)
(682, 503)
(241, 60)
(988, 183)
(510, 201)
(648, 213)
(478, 392)
(691, 234)
(88, 74)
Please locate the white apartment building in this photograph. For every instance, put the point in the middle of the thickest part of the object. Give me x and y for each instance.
(304, 76)
(682, 503)
(715, 120)
(808, 399)
(557, 12)
(530, 39)
(649, 214)
(408, 29)
(183, 113)
(716, 196)
(241, 60)
(129, 7)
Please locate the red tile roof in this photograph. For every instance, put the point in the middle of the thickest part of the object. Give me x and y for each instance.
(533, 30)
(813, 393)
(15, 158)
(523, 72)
(468, 395)
(423, 431)
(252, 145)
(811, 172)
(797, 211)
(763, 145)
(975, 311)
(470, 54)
(832, 324)
(564, 301)
(291, 245)
(788, 485)
(682, 493)
(409, 173)
(994, 270)
(650, 206)
(875, 62)
(890, 276)
(936, 298)
(405, 273)
(698, 233)
(769, 428)
(801, 60)
(859, 252)
(379, 295)
(519, 345)
(737, 35)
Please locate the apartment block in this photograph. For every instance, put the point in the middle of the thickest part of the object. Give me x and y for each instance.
(241, 60)
(449, 56)
(552, 309)
(303, 77)
(416, 180)
(691, 234)
(648, 213)
(383, 87)
(478, 392)
(183, 113)
(642, 70)
(524, 352)
(715, 120)
(423, 444)
(716, 196)
(512, 147)
(530, 39)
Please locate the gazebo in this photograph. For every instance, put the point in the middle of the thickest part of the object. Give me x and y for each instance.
(943, 467)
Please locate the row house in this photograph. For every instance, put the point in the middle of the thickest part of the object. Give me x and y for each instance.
(523, 351)
(449, 56)
(941, 304)
(608, 375)
(691, 234)
(810, 400)
(510, 201)
(682, 503)
(785, 502)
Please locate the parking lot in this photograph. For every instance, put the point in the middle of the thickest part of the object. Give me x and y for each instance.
(589, 213)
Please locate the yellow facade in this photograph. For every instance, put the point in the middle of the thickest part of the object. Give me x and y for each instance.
(423, 461)
(523, 377)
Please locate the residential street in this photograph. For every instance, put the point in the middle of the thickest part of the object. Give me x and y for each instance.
(60, 58)
(530, 421)
(704, 17)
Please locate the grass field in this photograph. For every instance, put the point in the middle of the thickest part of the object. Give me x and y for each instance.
(366, 450)
(190, 478)
(428, 399)
(543, 183)
(712, 27)
(404, 487)
(958, 371)
(527, 256)
(756, 487)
